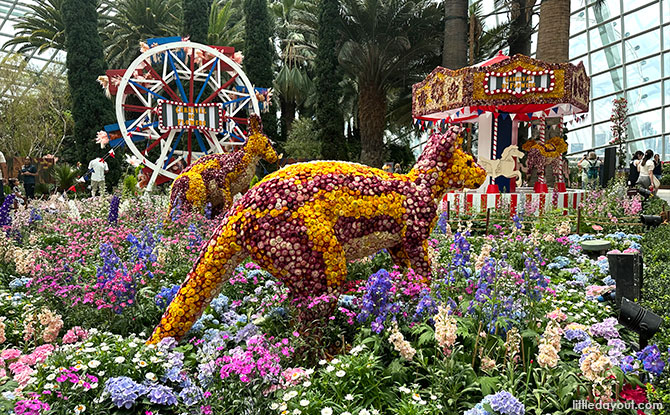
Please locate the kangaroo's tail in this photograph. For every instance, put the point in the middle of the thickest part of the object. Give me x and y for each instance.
(212, 268)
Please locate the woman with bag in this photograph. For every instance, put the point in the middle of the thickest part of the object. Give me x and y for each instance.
(646, 169)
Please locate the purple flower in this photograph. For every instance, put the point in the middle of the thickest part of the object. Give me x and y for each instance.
(376, 301)
(582, 345)
(579, 335)
(124, 391)
(605, 329)
(162, 395)
(627, 364)
(113, 209)
(651, 359)
(505, 403)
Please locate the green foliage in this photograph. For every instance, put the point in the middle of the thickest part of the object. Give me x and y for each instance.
(126, 23)
(64, 176)
(40, 29)
(35, 121)
(654, 205)
(665, 175)
(656, 287)
(196, 19)
(259, 55)
(85, 62)
(130, 185)
(362, 269)
(401, 153)
(302, 142)
(329, 116)
(226, 25)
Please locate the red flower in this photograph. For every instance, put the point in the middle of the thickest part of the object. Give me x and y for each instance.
(637, 395)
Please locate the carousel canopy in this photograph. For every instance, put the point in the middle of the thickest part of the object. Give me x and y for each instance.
(523, 87)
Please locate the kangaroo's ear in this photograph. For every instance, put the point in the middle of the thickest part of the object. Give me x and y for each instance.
(255, 124)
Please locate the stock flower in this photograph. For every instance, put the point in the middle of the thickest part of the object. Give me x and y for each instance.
(445, 329)
(400, 344)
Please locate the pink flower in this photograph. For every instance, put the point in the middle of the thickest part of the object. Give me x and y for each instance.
(597, 228)
(10, 354)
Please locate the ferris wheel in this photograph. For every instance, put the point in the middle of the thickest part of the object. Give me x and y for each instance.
(179, 101)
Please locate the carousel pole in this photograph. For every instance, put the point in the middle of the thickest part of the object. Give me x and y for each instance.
(559, 185)
(541, 184)
(493, 187)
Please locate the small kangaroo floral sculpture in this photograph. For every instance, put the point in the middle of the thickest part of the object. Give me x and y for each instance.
(303, 222)
(216, 178)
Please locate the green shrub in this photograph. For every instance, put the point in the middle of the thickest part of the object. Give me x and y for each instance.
(665, 175)
(656, 282)
(130, 185)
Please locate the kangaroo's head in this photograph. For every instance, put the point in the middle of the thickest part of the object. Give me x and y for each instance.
(444, 165)
(259, 143)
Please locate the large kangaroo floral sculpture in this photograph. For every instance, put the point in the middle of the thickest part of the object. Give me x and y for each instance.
(305, 221)
(216, 178)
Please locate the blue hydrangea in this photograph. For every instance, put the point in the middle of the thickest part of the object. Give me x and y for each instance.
(477, 410)
(246, 333)
(505, 403)
(190, 395)
(161, 395)
(582, 345)
(18, 283)
(220, 304)
(124, 391)
(628, 364)
(559, 262)
(578, 335)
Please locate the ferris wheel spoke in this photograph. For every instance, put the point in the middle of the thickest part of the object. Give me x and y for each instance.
(155, 143)
(165, 146)
(188, 145)
(206, 81)
(212, 139)
(219, 89)
(180, 87)
(139, 119)
(148, 90)
(192, 76)
(201, 144)
(166, 87)
(174, 147)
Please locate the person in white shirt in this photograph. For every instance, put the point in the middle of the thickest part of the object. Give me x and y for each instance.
(99, 167)
(3, 176)
(646, 169)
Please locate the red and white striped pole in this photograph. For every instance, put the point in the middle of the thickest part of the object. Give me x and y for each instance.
(541, 184)
(493, 188)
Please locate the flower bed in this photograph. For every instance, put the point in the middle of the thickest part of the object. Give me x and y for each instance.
(510, 323)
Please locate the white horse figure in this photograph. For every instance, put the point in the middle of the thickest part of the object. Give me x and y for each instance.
(505, 165)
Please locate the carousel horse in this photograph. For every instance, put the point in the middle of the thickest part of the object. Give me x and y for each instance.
(504, 166)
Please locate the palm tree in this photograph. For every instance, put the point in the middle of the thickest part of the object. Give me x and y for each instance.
(553, 37)
(292, 83)
(385, 42)
(521, 28)
(40, 29)
(455, 52)
(226, 24)
(126, 23)
(483, 42)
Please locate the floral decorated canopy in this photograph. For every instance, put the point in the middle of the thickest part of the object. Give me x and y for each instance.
(523, 87)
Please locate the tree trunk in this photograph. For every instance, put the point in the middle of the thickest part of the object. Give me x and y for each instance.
(372, 120)
(287, 117)
(521, 12)
(553, 37)
(455, 49)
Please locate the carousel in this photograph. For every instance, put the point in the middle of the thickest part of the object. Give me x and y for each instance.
(498, 95)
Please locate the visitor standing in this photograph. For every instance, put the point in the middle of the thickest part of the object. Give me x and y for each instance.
(646, 169)
(29, 173)
(658, 166)
(3, 176)
(633, 172)
(99, 167)
(590, 166)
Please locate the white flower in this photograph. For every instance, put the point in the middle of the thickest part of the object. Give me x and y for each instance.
(330, 368)
(322, 362)
(79, 409)
(404, 389)
(433, 397)
(93, 364)
(375, 412)
(346, 413)
(132, 344)
(151, 376)
(364, 412)
(335, 361)
(438, 406)
(282, 407)
(349, 397)
(289, 395)
(94, 385)
(416, 396)
(274, 406)
(142, 363)
(356, 350)
(309, 372)
(297, 411)
(89, 344)
(304, 402)
(49, 386)
(51, 377)
(340, 373)
(119, 359)
(104, 348)
(306, 384)
(101, 373)
(327, 411)
(154, 359)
